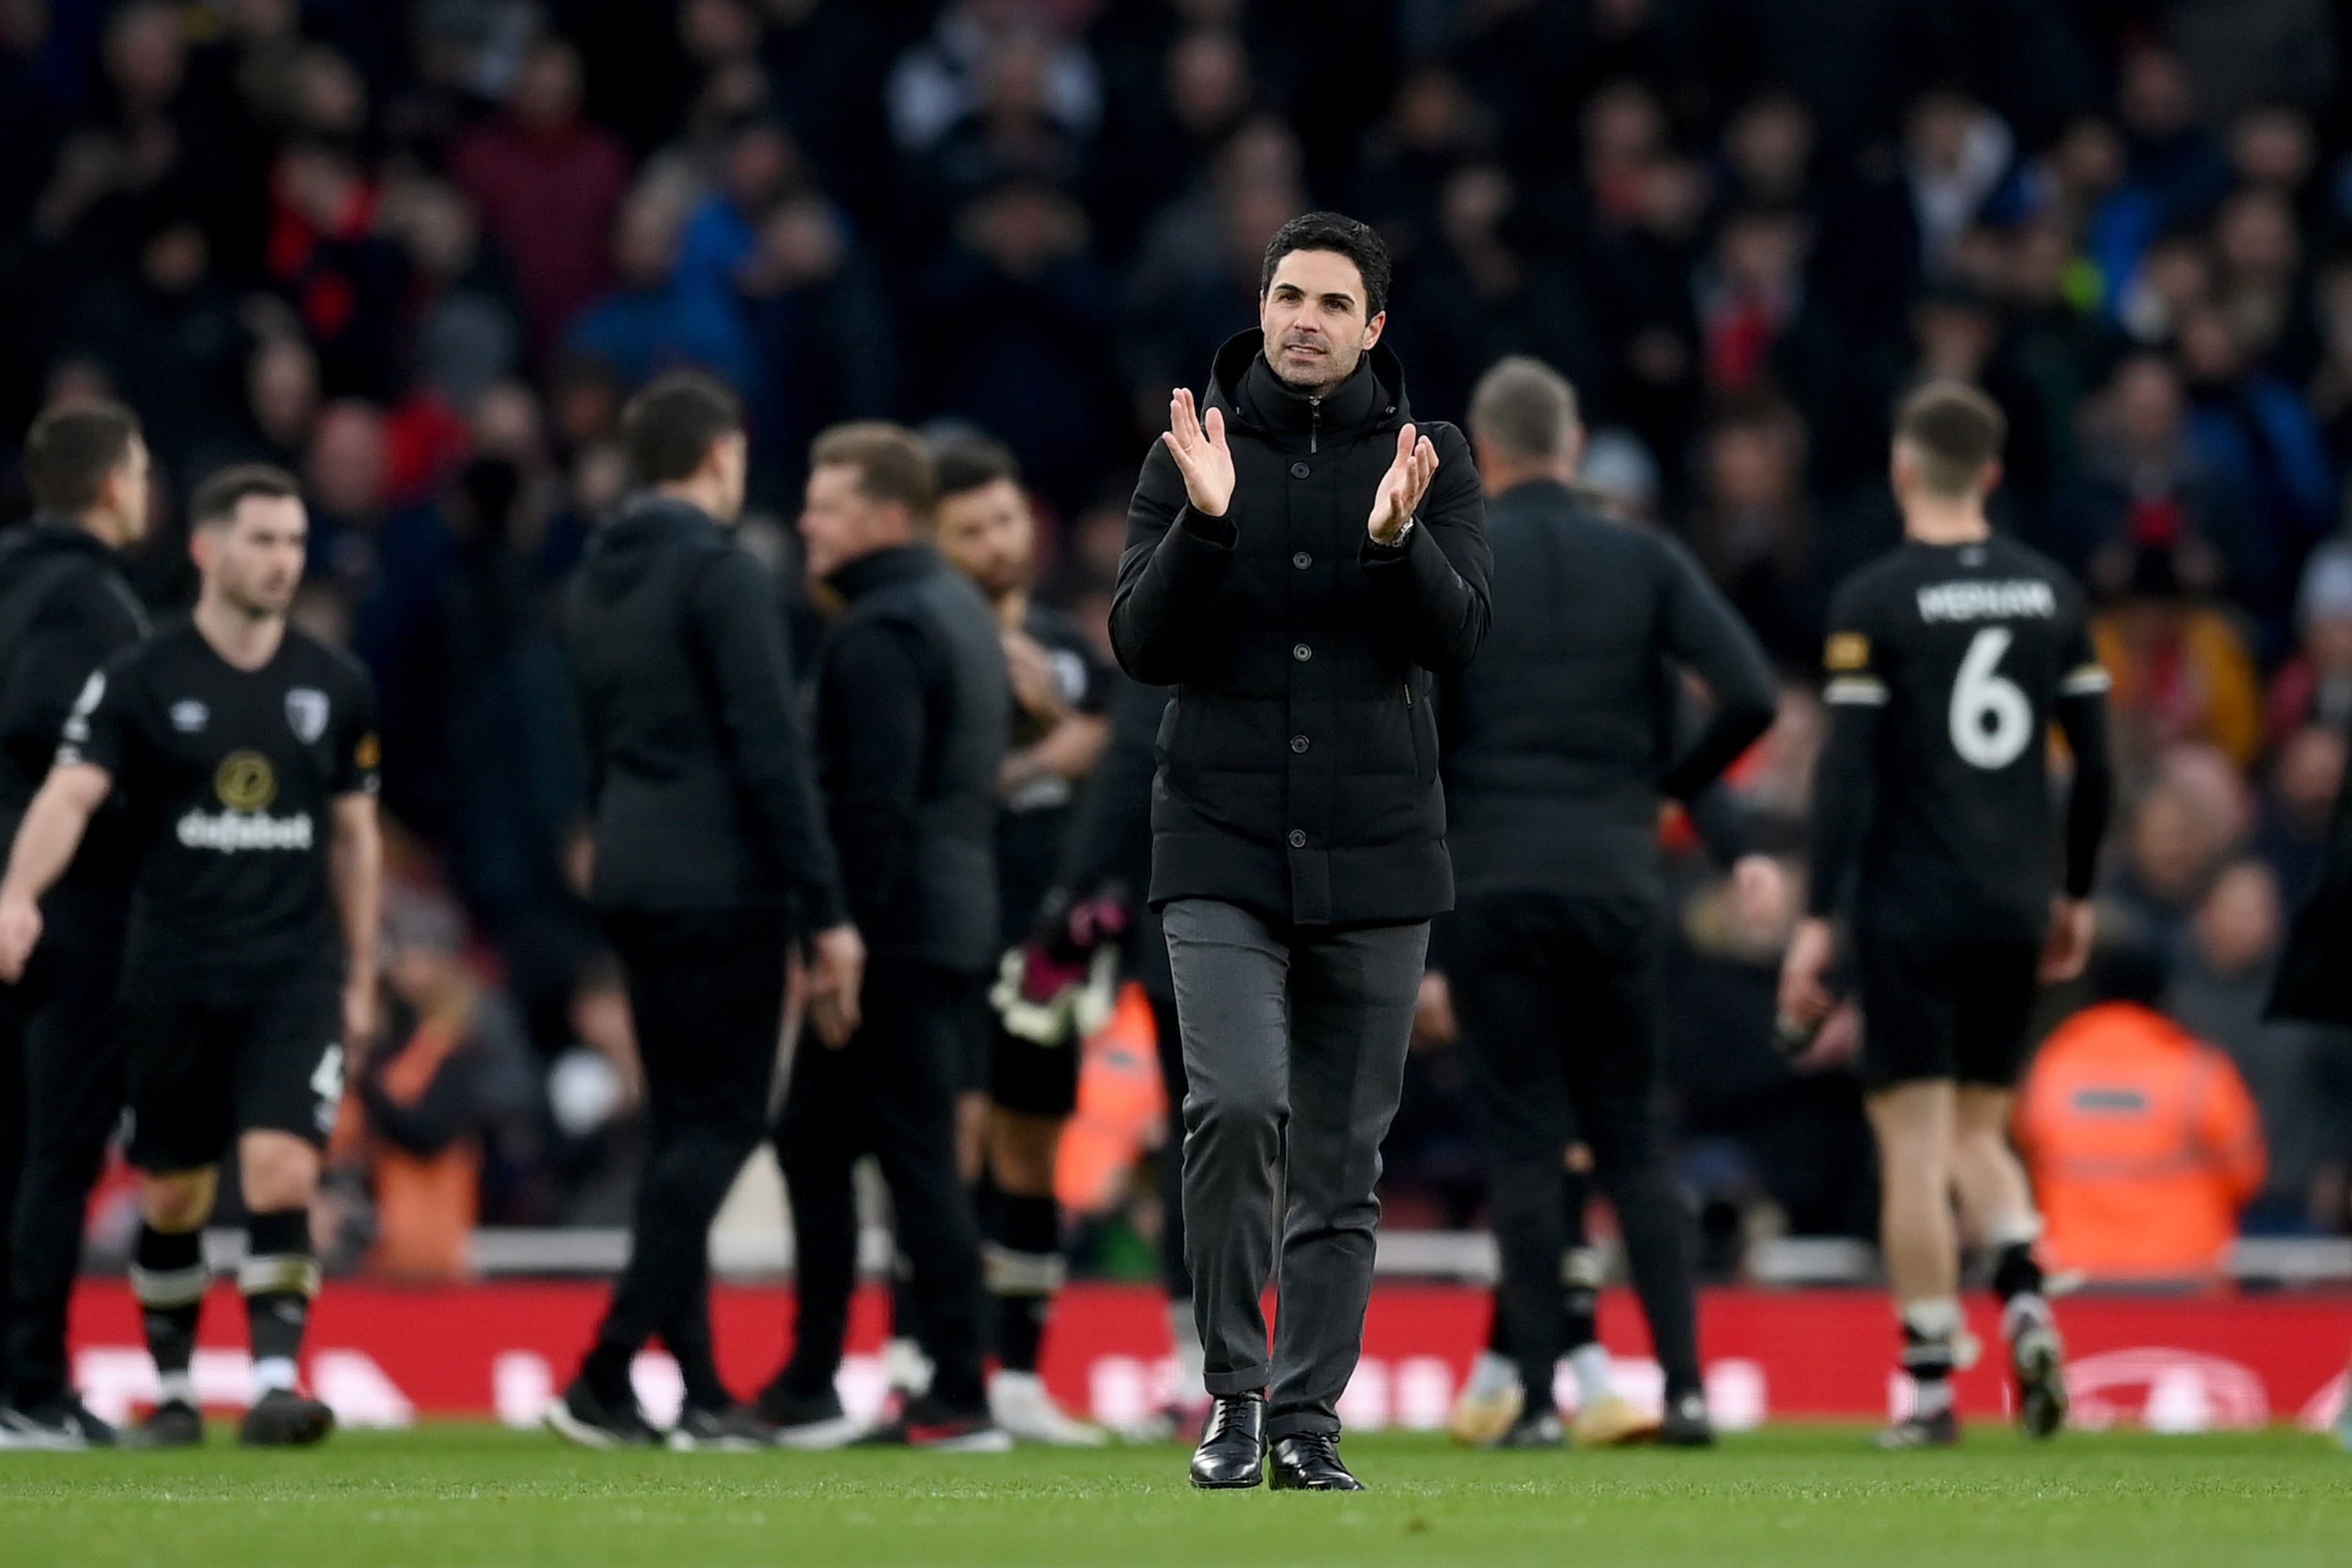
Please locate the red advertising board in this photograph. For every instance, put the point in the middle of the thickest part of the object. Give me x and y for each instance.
(385, 1356)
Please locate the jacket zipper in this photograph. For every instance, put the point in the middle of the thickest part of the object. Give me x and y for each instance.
(1314, 424)
(1408, 691)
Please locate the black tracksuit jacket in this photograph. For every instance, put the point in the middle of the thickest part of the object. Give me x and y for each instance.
(1561, 738)
(64, 611)
(700, 768)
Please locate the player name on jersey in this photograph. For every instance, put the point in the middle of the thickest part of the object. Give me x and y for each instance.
(1967, 600)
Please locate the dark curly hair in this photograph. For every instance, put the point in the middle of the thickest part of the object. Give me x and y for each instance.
(1336, 232)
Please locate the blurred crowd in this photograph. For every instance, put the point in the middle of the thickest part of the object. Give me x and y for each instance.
(420, 253)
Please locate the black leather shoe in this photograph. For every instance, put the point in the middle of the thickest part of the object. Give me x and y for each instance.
(1310, 1463)
(1233, 1451)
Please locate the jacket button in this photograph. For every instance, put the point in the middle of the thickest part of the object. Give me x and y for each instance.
(1300, 470)
(1297, 742)
(1298, 838)
(1302, 653)
(1302, 561)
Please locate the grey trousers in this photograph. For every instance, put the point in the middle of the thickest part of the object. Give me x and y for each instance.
(1295, 1040)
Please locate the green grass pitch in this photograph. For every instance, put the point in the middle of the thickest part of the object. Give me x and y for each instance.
(456, 1496)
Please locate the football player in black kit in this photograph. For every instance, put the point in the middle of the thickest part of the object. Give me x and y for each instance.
(1060, 689)
(1946, 662)
(244, 751)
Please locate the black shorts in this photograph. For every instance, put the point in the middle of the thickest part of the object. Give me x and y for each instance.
(1953, 1010)
(215, 1053)
(1031, 1079)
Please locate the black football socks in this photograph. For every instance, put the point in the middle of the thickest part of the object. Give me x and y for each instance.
(169, 1279)
(1931, 1331)
(1024, 1268)
(279, 1275)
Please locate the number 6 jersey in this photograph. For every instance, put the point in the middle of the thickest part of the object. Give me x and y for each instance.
(1946, 665)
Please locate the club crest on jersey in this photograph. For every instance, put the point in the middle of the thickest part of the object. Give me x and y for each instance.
(245, 781)
(306, 710)
(1846, 651)
(189, 717)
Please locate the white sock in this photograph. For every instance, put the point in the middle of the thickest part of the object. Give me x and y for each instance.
(1934, 1397)
(2013, 1230)
(175, 1388)
(1591, 1364)
(272, 1372)
(908, 1368)
(1491, 1373)
(1936, 1318)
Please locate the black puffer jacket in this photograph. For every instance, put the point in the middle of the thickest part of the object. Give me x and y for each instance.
(1299, 760)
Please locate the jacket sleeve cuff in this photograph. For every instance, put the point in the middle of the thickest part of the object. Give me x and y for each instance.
(821, 909)
(1218, 531)
(1375, 553)
(1415, 566)
(1193, 554)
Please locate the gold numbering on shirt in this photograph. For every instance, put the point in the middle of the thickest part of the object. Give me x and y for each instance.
(245, 782)
(1846, 651)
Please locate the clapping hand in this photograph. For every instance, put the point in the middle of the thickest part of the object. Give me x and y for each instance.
(1202, 456)
(1402, 487)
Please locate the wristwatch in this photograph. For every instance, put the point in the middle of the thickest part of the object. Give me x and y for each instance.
(1402, 534)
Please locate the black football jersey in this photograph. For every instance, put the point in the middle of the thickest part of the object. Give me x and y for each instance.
(229, 778)
(1035, 818)
(1965, 651)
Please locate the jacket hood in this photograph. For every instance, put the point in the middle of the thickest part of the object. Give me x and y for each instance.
(1389, 408)
(648, 526)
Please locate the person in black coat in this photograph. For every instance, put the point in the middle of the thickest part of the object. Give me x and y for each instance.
(711, 863)
(64, 611)
(1560, 744)
(913, 707)
(2314, 976)
(1297, 566)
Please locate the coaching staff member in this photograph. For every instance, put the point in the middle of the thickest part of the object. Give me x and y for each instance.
(913, 705)
(64, 611)
(1298, 562)
(711, 861)
(1559, 743)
